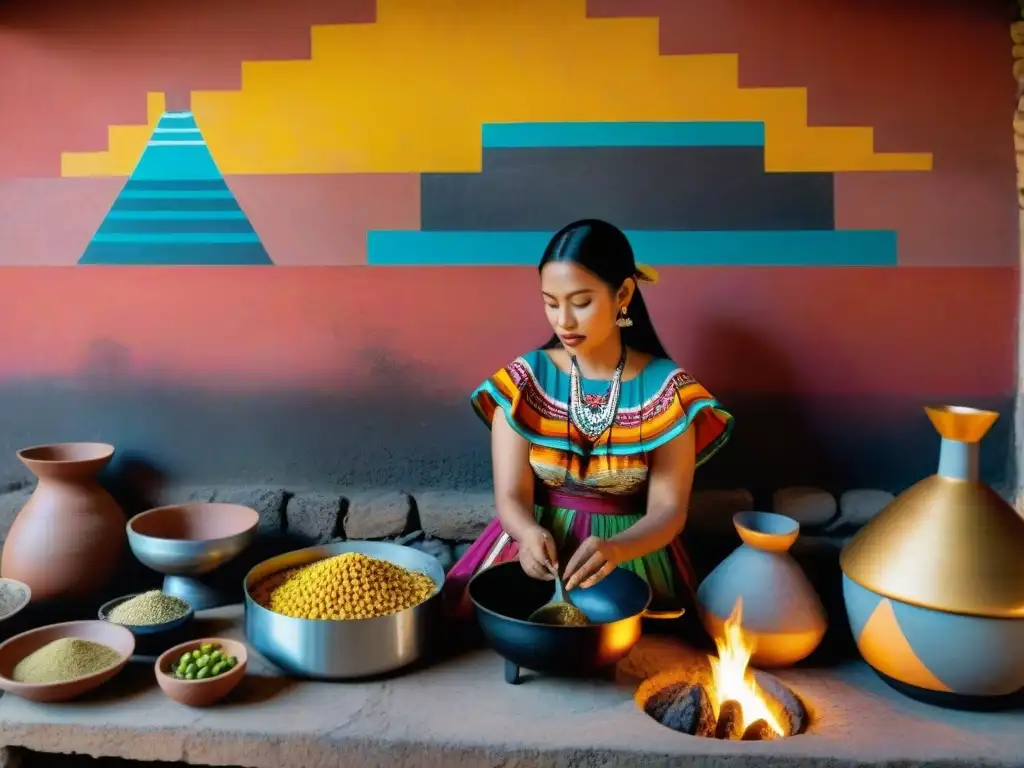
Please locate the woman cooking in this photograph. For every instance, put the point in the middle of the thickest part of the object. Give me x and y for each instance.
(595, 436)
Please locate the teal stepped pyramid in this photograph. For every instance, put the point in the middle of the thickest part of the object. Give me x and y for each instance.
(176, 208)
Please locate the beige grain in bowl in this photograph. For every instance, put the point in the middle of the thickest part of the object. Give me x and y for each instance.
(119, 640)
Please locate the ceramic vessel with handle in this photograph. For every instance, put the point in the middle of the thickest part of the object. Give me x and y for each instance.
(782, 616)
(67, 540)
(934, 585)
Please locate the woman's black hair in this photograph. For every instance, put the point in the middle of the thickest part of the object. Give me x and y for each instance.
(604, 249)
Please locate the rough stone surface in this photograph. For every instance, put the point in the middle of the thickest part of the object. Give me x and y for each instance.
(455, 515)
(10, 505)
(439, 549)
(819, 544)
(859, 507)
(269, 502)
(376, 514)
(711, 511)
(811, 507)
(457, 714)
(314, 516)
(17, 484)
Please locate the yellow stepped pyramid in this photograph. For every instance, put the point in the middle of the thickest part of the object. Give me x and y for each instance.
(126, 143)
(410, 92)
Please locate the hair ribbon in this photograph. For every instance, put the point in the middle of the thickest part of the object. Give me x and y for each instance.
(645, 273)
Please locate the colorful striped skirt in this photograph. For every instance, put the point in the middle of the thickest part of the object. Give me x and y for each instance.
(571, 518)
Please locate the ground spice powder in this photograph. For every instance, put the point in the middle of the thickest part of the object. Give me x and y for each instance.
(148, 609)
(62, 660)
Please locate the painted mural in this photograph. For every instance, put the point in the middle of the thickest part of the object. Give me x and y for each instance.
(698, 169)
(176, 207)
(825, 193)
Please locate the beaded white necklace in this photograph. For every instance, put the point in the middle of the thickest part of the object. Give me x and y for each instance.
(593, 419)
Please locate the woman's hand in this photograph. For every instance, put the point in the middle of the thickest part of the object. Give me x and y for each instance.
(595, 559)
(537, 553)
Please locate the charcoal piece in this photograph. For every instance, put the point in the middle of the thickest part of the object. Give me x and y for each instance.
(784, 703)
(691, 713)
(658, 704)
(730, 721)
(759, 730)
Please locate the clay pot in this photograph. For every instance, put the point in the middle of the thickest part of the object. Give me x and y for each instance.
(20, 646)
(67, 540)
(782, 615)
(934, 585)
(201, 693)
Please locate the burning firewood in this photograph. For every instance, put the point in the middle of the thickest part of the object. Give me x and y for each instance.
(691, 712)
(736, 691)
(730, 720)
(759, 730)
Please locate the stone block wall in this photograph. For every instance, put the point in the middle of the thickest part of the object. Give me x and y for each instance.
(443, 522)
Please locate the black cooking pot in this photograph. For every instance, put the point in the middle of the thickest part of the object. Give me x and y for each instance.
(504, 597)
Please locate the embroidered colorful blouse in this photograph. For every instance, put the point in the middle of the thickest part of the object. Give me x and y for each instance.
(598, 488)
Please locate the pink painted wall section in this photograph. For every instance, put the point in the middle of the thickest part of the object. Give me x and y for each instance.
(49, 222)
(322, 220)
(806, 330)
(943, 217)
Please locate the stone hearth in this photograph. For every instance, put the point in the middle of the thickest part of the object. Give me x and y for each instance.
(460, 713)
(681, 699)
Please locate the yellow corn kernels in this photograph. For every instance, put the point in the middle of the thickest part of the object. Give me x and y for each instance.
(347, 586)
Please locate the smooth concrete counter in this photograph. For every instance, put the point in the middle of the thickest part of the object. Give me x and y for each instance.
(460, 714)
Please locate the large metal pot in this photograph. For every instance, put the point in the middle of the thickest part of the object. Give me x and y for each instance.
(504, 597)
(347, 649)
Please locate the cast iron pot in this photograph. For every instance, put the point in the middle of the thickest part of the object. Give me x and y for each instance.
(504, 596)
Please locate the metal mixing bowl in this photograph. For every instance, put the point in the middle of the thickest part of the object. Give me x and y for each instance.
(350, 648)
(187, 541)
(191, 539)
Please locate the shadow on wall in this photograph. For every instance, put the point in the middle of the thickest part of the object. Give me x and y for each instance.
(400, 427)
(32, 15)
(737, 348)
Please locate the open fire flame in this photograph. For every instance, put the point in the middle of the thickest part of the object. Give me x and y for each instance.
(731, 678)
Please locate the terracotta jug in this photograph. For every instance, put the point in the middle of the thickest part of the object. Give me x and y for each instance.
(68, 538)
(782, 615)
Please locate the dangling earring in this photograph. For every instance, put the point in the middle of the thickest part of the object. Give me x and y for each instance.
(623, 320)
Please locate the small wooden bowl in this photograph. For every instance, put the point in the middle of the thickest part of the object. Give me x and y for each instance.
(201, 693)
(20, 646)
